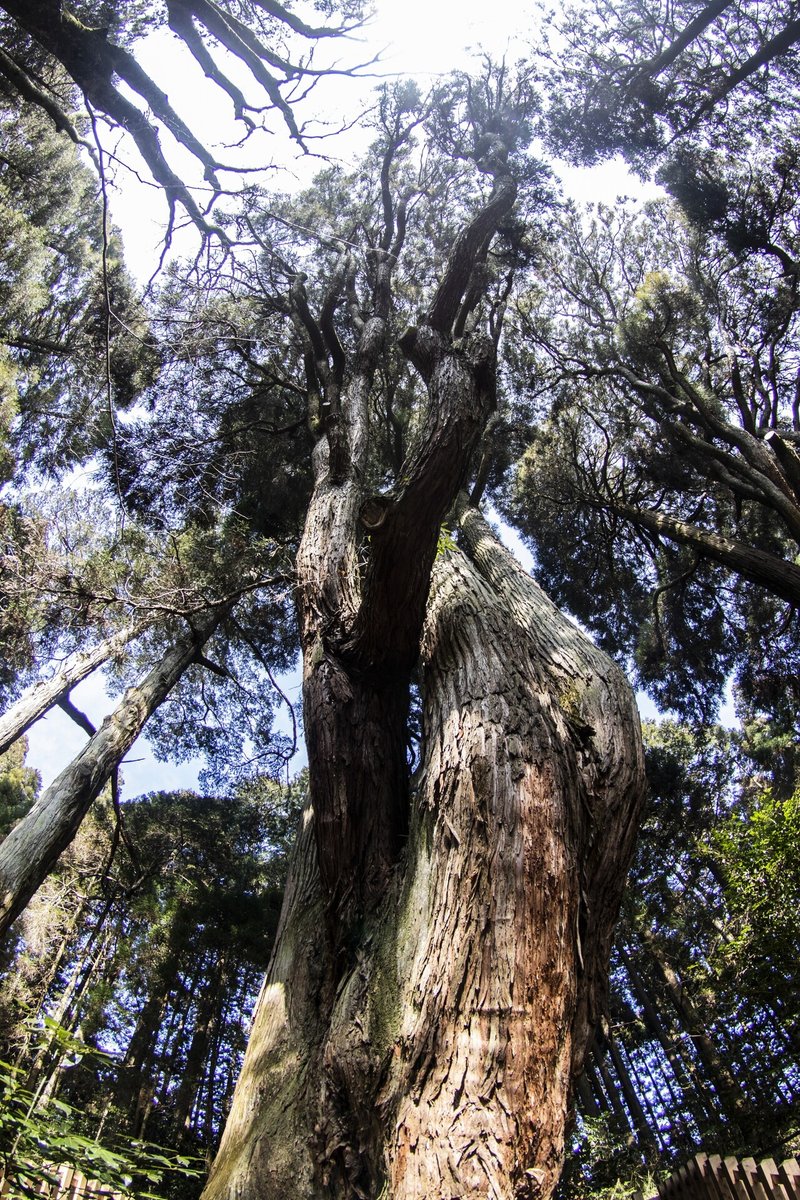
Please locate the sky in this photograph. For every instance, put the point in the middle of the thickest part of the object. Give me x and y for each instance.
(420, 38)
(425, 39)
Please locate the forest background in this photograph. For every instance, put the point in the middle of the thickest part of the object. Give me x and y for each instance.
(644, 442)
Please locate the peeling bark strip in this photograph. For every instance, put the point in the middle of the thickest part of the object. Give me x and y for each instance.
(440, 1064)
(530, 792)
(32, 848)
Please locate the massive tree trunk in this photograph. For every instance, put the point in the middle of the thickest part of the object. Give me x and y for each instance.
(429, 1049)
(443, 949)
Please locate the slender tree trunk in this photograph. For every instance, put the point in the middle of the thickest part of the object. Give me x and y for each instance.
(433, 1053)
(145, 1033)
(33, 847)
(67, 1018)
(595, 1085)
(53, 967)
(635, 1072)
(700, 1110)
(82, 974)
(727, 1088)
(644, 1134)
(209, 1083)
(588, 1103)
(623, 1122)
(161, 1064)
(41, 697)
(207, 1016)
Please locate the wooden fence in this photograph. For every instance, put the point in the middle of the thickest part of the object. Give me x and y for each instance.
(709, 1177)
(706, 1177)
(70, 1185)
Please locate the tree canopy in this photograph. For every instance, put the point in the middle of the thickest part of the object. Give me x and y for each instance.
(289, 440)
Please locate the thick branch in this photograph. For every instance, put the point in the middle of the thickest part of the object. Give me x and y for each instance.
(707, 16)
(467, 248)
(75, 714)
(180, 22)
(92, 62)
(237, 38)
(29, 90)
(757, 465)
(778, 576)
(780, 44)
(95, 63)
(294, 22)
(462, 390)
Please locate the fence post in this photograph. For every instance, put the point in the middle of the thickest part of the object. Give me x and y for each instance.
(789, 1173)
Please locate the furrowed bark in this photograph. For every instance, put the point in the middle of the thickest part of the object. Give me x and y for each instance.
(440, 1061)
(33, 847)
(41, 697)
(531, 788)
(268, 1148)
(360, 630)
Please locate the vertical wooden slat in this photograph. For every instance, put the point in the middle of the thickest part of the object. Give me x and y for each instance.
(754, 1180)
(737, 1179)
(715, 1174)
(70, 1185)
(75, 1186)
(65, 1173)
(729, 1173)
(768, 1172)
(697, 1170)
(789, 1173)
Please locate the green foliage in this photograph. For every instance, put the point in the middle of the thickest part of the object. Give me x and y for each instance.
(636, 77)
(446, 542)
(149, 938)
(602, 1165)
(19, 785)
(712, 906)
(756, 855)
(55, 393)
(39, 1133)
(642, 416)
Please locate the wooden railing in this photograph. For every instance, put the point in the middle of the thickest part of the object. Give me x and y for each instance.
(710, 1177)
(69, 1185)
(706, 1177)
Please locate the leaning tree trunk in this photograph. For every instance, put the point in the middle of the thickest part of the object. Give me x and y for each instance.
(29, 853)
(430, 1050)
(42, 696)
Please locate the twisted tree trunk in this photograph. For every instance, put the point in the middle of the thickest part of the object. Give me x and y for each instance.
(429, 1050)
(444, 942)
